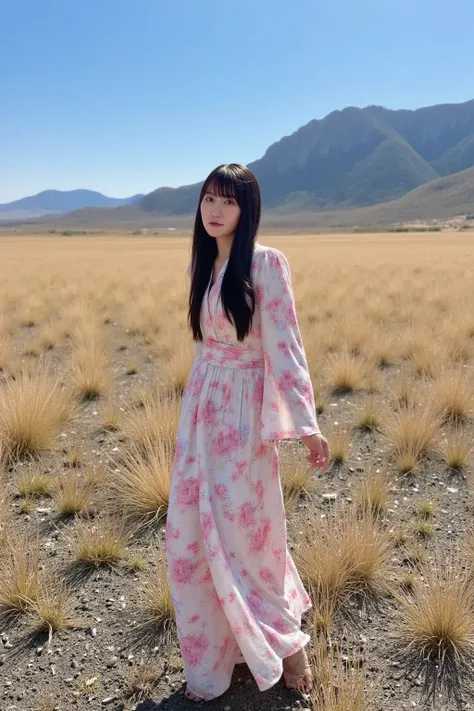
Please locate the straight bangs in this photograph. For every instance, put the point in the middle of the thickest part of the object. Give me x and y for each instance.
(224, 185)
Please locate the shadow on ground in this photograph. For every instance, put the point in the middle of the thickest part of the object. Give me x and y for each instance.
(243, 695)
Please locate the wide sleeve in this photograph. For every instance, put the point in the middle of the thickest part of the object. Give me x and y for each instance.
(288, 408)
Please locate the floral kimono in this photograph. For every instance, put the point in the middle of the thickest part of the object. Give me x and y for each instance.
(236, 591)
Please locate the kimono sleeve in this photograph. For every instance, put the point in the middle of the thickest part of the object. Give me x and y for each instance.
(288, 408)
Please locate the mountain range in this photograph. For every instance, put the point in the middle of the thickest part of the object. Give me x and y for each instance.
(359, 164)
(60, 201)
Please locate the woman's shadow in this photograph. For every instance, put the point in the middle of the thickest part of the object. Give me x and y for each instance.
(242, 695)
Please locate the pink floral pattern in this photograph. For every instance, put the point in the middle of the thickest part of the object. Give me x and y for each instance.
(235, 588)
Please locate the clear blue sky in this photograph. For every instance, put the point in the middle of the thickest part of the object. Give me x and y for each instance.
(124, 96)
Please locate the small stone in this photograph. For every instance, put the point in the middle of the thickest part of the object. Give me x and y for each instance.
(226, 708)
(112, 662)
(8, 645)
(329, 497)
(94, 632)
(451, 490)
(108, 700)
(2, 660)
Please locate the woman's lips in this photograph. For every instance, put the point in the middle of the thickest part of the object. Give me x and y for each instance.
(216, 224)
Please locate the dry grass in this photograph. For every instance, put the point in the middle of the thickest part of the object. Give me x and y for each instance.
(425, 509)
(100, 542)
(297, 478)
(157, 610)
(33, 483)
(372, 493)
(340, 442)
(338, 686)
(456, 448)
(411, 433)
(33, 406)
(141, 680)
(344, 556)
(176, 370)
(141, 484)
(155, 420)
(346, 372)
(369, 416)
(357, 317)
(437, 622)
(453, 395)
(53, 608)
(19, 575)
(90, 363)
(73, 493)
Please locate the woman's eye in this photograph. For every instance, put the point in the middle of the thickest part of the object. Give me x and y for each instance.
(208, 198)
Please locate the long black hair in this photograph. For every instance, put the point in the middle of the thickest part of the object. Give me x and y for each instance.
(238, 300)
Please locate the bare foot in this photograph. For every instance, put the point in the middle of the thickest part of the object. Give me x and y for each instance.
(192, 697)
(297, 672)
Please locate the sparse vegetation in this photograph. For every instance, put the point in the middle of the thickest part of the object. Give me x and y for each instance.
(86, 453)
(437, 625)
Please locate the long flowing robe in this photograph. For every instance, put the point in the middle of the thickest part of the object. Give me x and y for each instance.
(235, 588)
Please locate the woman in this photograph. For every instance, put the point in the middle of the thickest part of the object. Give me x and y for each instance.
(236, 591)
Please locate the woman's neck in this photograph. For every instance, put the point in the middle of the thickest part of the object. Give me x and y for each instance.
(224, 245)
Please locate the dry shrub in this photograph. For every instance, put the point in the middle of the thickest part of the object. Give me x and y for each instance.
(156, 420)
(297, 478)
(73, 493)
(418, 345)
(111, 414)
(381, 350)
(369, 416)
(33, 483)
(141, 315)
(100, 542)
(453, 395)
(53, 608)
(32, 408)
(6, 352)
(436, 625)
(340, 443)
(425, 509)
(456, 448)
(141, 680)
(337, 686)
(177, 367)
(345, 555)
(5, 504)
(372, 492)
(158, 593)
(90, 366)
(346, 372)
(19, 574)
(411, 433)
(141, 484)
(405, 389)
(50, 335)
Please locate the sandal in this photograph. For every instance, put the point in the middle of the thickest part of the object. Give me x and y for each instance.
(297, 672)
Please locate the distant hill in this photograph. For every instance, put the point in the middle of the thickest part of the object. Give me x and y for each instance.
(353, 157)
(357, 163)
(441, 199)
(60, 201)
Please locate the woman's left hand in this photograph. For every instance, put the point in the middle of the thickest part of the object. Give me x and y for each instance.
(319, 454)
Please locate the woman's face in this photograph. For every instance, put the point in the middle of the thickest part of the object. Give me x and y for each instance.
(220, 215)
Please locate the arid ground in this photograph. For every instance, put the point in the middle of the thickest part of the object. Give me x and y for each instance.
(94, 356)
